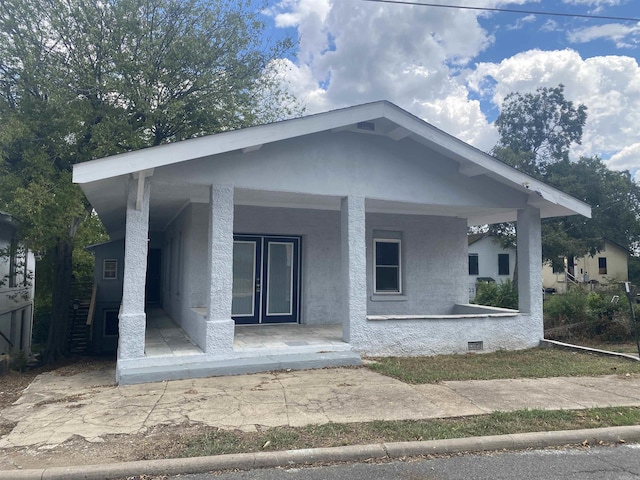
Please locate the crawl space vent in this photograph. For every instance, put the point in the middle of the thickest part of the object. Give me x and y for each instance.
(475, 346)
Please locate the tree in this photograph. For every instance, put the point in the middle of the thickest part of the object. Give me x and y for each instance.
(84, 79)
(537, 129)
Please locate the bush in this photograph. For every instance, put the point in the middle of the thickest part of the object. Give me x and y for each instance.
(596, 316)
(503, 295)
(566, 308)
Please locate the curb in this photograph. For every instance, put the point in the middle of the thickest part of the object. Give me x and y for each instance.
(289, 458)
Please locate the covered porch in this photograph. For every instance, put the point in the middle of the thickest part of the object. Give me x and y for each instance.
(170, 353)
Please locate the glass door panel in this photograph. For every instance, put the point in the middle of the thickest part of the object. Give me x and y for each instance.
(280, 278)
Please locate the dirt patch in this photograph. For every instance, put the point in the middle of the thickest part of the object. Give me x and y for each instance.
(157, 443)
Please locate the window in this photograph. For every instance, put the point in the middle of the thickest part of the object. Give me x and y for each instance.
(111, 323)
(109, 269)
(473, 264)
(602, 265)
(503, 264)
(387, 270)
(558, 267)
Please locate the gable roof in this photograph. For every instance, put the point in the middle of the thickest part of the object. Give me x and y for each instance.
(378, 118)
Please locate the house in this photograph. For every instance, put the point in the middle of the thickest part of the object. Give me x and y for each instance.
(489, 260)
(17, 269)
(607, 267)
(354, 221)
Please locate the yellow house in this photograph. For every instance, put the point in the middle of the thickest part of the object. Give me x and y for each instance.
(606, 267)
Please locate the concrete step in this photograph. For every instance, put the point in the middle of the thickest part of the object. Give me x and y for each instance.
(237, 366)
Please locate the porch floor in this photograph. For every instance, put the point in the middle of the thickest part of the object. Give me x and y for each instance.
(165, 338)
(170, 355)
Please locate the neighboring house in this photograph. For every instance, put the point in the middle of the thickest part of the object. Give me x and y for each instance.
(489, 261)
(355, 218)
(607, 267)
(17, 269)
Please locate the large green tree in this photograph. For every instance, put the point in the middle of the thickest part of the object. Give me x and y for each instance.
(537, 131)
(81, 79)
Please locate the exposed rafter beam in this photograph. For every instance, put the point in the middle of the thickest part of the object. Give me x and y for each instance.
(141, 175)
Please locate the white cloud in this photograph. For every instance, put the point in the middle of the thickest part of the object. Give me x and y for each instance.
(624, 36)
(594, 3)
(422, 59)
(627, 159)
(521, 22)
(609, 87)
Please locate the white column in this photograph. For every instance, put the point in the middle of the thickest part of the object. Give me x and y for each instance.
(530, 264)
(132, 316)
(219, 325)
(354, 268)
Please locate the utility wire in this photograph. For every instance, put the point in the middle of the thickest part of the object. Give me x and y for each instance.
(507, 10)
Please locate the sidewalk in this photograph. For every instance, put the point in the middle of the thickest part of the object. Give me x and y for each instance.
(54, 409)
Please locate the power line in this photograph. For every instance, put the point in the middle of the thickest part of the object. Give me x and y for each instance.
(507, 10)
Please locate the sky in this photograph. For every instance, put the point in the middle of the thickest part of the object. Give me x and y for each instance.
(453, 67)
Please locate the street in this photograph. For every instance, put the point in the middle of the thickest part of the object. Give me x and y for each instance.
(599, 463)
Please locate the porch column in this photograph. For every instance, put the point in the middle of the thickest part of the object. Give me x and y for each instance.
(132, 316)
(219, 325)
(354, 269)
(530, 264)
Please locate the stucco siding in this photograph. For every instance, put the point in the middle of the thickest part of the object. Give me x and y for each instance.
(433, 264)
(341, 164)
(185, 268)
(445, 336)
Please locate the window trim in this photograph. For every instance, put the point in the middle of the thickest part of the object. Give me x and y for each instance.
(398, 241)
(115, 269)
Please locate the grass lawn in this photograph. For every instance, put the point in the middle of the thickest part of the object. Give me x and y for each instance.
(217, 442)
(532, 363)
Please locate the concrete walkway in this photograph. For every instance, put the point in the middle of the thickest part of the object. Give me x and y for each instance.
(54, 408)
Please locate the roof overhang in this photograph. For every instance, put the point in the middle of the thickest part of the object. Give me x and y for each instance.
(378, 118)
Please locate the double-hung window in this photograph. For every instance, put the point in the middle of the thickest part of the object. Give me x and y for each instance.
(387, 277)
(110, 269)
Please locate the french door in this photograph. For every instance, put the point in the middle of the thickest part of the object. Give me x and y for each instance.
(265, 279)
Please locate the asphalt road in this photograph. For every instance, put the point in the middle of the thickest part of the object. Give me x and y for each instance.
(600, 463)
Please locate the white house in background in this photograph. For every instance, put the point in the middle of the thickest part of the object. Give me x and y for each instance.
(355, 218)
(607, 267)
(17, 270)
(489, 261)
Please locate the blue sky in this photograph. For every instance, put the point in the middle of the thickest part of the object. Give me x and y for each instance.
(453, 67)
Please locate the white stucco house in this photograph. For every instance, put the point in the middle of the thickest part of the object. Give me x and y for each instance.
(17, 269)
(355, 218)
(489, 259)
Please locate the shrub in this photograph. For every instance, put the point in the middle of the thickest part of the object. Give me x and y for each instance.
(503, 295)
(594, 314)
(566, 308)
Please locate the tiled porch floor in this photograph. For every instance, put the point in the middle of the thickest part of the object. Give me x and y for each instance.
(165, 338)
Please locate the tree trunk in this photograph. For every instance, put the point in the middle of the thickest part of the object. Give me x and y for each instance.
(58, 338)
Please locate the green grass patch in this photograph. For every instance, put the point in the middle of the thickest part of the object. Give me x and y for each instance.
(217, 442)
(532, 363)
